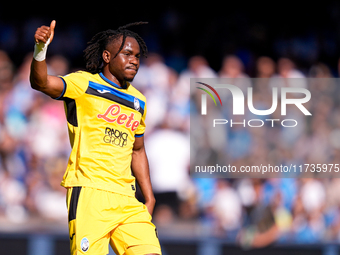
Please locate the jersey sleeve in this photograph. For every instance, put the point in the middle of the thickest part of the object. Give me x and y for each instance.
(75, 85)
(141, 128)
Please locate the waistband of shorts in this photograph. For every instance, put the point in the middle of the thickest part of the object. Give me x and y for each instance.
(103, 187)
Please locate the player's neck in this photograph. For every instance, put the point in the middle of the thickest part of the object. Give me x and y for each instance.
(108, 75)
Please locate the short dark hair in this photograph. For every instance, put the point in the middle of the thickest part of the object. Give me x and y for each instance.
(98, 43)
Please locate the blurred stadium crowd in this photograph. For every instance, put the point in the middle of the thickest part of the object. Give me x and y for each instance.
(34, 149)
(34, 146)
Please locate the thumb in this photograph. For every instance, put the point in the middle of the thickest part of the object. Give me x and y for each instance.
(52, 26)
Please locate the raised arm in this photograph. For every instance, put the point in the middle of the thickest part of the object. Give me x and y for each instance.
(50, 85)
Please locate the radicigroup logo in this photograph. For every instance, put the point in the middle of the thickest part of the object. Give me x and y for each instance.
(262, 128)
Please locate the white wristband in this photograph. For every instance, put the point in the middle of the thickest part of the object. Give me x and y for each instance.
(40, 50)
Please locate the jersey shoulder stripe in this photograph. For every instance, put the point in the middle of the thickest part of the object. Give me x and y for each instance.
(116, 96)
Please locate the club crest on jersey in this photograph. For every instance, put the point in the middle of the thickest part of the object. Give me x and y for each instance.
(84, 244)
(136, 104)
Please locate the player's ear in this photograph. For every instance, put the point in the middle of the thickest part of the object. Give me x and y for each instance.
(106, 56)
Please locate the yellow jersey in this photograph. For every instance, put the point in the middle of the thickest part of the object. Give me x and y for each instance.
(103, 120)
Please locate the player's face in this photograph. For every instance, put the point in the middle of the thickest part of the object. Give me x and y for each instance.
(125, 65)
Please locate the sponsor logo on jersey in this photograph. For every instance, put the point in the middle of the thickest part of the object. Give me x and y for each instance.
(103, 91)
(113, 114)
(115, 137)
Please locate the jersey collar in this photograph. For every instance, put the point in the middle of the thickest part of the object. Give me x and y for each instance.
(111, 82)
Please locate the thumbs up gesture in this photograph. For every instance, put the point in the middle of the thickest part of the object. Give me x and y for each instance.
(45, 34)
(43, 37)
